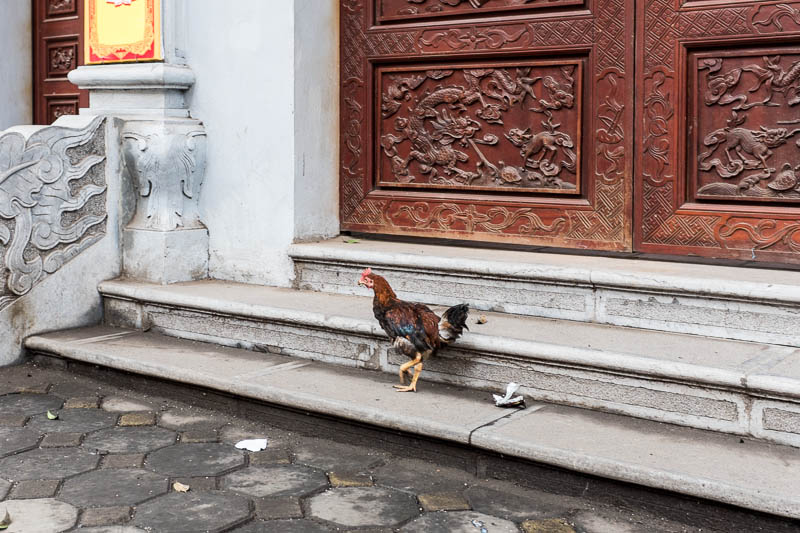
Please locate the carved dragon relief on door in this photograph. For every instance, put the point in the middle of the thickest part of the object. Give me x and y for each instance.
(481, 127)
(510, 129)
(747, 146)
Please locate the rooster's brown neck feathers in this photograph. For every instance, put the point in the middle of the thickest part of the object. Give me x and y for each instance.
(383, 292)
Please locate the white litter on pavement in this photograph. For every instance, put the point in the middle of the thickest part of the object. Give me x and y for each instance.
(252, 445)
(509, 400)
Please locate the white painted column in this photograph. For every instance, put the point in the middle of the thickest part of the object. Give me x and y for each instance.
(16, 67)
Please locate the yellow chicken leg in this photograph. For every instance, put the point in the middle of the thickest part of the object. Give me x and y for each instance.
(404, 368)
(413, 386)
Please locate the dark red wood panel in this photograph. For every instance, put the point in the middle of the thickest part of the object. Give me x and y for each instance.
(718, 158)
(57, 49)
(501, 128)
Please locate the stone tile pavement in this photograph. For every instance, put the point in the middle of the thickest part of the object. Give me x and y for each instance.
(109, 462)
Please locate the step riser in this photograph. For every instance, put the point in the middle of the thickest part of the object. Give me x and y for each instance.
(573, 299)
(721, 409)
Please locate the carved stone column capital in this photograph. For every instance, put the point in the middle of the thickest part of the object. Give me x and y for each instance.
(165, 157)
(166, 160)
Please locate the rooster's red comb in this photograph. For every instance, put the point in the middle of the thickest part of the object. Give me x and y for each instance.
(366, 272)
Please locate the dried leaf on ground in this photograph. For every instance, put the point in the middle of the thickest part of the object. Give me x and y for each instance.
(5, 523)
(180, 487)
(52, 416)
(482, 320)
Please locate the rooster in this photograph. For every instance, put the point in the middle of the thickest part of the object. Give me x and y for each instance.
(413, 328)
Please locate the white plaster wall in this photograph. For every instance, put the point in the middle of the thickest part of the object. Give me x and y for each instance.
(16, 70)
(316, 131)
(271, 174)
(243, 60)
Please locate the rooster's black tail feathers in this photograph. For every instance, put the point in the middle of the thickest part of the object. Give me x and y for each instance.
(453, 322)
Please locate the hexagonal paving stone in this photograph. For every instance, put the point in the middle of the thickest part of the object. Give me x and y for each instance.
(113, 488)
(111, 529)
(201, 511)
(329, 456)
(459, 522)
(515, 504)
(74, 421)
(29, 404)
(282, 526)
(184, 419)
(194, 460)
(52, 463)
(130, 440)
(283, 480)
(14, 440)
(40, 516)
(364, 506)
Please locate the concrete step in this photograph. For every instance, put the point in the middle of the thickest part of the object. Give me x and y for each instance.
(752, 304)
(734, 387)
(750, 474)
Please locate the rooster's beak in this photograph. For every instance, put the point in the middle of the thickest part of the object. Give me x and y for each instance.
(362, 282)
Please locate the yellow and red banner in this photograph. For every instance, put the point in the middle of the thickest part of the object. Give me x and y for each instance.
(122, 30)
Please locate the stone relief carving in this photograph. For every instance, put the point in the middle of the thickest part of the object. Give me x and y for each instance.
(745, 157)
(436, 134)
(52, 202)
(167, 162)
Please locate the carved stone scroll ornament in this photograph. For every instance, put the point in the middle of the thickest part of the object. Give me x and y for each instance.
(167, 162)
(52, 202)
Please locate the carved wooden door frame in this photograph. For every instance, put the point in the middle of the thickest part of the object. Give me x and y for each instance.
(592, 36)
(57, 48)
(720, 129)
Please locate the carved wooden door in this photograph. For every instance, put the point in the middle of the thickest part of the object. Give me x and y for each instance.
(718, 163)
(489, 120)
(57, 49)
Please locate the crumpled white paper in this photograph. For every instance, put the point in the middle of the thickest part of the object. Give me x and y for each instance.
(252, 445)
(509, 400)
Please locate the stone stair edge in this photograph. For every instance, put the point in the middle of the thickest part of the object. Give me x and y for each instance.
(561, 355)
(705, 280)
(478, 437)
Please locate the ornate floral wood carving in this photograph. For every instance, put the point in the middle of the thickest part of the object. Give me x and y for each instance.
(702, 178)
(405, 10)
(62, 59)
(61, 7)
(52, 203)
(424, 145)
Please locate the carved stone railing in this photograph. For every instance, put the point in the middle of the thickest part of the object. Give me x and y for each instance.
(61, 210)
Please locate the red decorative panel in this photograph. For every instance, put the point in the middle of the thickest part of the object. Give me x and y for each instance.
(514, 129)
(62, 56)
(481, 126)
(718, 157)
(406, 10)
(60, 8)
